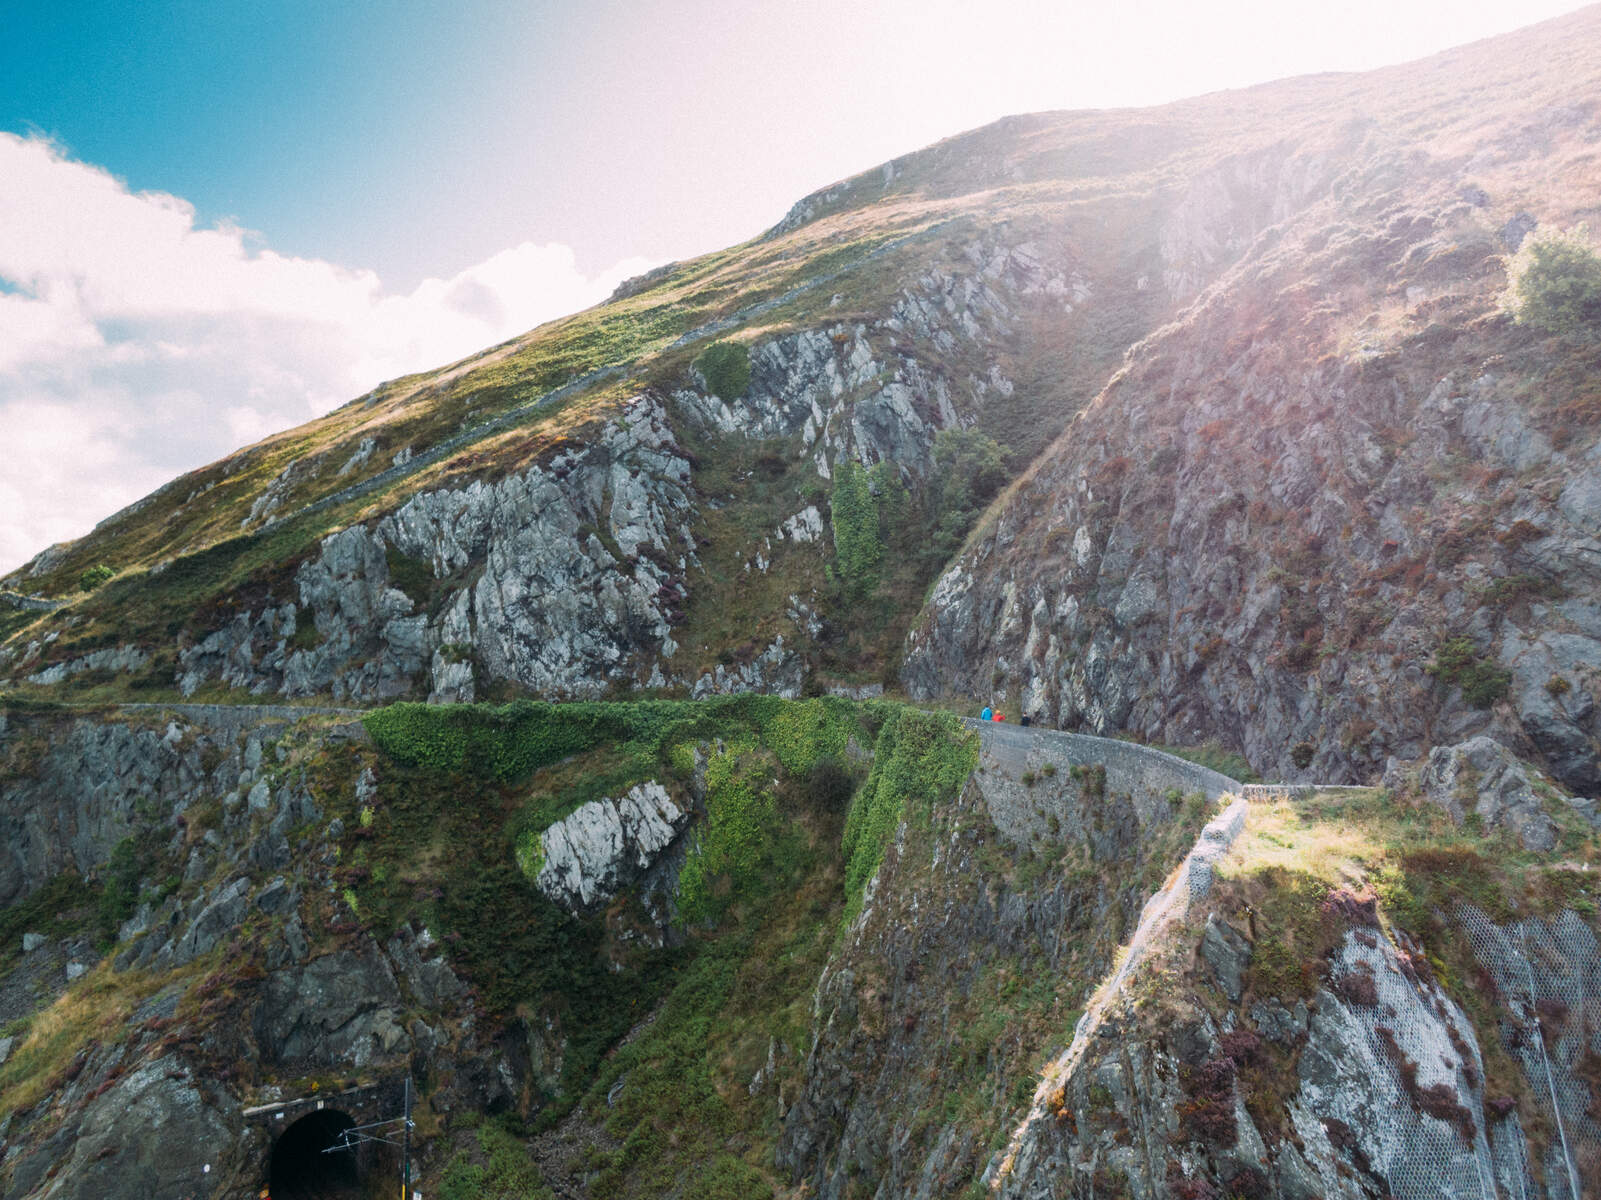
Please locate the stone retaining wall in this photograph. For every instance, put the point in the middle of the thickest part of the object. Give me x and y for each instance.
(1130, 767)
(29, 603)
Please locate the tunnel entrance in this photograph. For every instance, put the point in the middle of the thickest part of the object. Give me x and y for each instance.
(301, 1168)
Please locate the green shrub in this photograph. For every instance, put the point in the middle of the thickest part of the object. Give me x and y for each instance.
(726, 368)
(969, 469)
(510, 1175)
(1301, 754)
(94, 576)
(119, 895)
(730, 1178)
(1556, 284)
(463, 1180)
(858, 547)
(802, 734)
(1457, 663)
(512, 740)
(411, 575)
(920, 758)
(740, 823)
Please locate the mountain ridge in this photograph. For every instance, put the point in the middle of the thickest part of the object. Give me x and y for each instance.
(574, 731)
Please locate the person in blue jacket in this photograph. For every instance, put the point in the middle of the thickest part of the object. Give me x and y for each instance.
(986, 715)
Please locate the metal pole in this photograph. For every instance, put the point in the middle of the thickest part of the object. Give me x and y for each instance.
(405, 1146)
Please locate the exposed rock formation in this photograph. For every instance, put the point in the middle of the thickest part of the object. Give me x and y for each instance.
(1483, 777)
(603, 847)
(1255, 535)
(529, 587)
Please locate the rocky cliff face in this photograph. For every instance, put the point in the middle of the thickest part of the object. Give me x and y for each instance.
(1282, 476)
(221, 967)
(1376, 1084)
(569, 577)
(1356, 994)
(1340, 510)
(978, 941)
(554, 579)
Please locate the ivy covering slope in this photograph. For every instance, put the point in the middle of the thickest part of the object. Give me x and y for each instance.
(781, 850)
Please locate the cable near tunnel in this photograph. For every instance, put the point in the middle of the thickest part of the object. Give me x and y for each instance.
(311, 1162)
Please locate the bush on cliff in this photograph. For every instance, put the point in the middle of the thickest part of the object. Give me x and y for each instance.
(1556, 284)
(94, 576)
(858, 547)
(726, 368)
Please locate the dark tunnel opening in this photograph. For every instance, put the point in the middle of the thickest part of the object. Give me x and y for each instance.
(305, 1164)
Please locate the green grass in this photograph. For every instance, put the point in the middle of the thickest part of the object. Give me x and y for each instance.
(498, 1168)
(1214, 757)
(453, 842)
(921, 759)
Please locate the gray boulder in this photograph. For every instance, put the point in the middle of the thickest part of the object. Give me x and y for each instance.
(216, 920)
(149, 1135)
(601, 848)
(1482, 776)
(1228, 954)
(337, 1008)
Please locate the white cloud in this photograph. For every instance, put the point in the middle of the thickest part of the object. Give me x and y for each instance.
(135, 345)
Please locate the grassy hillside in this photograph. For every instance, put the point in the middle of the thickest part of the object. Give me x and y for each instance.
(1146, 209)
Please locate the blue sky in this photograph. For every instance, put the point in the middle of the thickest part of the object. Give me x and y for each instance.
(220, 218)
(417, 138)
(328, 125)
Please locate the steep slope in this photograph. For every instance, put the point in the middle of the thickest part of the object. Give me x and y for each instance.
(1341, 508)
(1363, 1003)
(583, 509)
(213, 913)
(864, 335)
(743, 945)
(1280, 475)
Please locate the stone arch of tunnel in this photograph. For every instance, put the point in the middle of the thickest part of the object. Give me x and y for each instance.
(306, 1163)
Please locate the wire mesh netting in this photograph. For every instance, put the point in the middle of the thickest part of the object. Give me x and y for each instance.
(1215, 841)
(1547, 980)
(1433, 1143)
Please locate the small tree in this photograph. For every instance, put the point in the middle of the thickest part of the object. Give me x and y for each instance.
(1556, 284)
(94, 576)
(726, 369)
(853, 513)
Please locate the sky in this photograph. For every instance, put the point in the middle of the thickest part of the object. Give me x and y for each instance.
(220, 218)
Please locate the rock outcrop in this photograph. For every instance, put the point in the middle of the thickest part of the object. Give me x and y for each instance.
(556, 579)
(893, 1012)
(1483, 777)
(606, 845)
(1264, 532)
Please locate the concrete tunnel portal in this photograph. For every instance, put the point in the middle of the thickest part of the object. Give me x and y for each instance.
(308, 1162)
